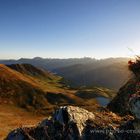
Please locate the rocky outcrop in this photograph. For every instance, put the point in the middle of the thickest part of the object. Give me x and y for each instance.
(74, 118)
(135, 106)
(131, 129)
(68, 122)
(74, 123)
(120, 104)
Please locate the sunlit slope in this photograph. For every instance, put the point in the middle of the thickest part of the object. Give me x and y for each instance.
(41, 78)
(15, 88)
(33, 88)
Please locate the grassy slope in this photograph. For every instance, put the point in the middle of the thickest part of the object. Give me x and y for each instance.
(19, 117)
(30, 91)
(19, 89)
(93, 92)
(42, 79)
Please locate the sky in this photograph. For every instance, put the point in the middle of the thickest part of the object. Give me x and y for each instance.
(69, 28)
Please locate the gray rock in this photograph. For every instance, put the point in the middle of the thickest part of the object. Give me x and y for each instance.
(16, 135)
(73, 115)
(135, 106)
(74, 123)
(67, 123)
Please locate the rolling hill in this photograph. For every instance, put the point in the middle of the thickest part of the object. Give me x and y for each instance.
(18, 89)
(26, 86)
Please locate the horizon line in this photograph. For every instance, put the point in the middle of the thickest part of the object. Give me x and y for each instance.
(84, 57)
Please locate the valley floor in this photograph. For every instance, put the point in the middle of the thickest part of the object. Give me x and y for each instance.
(12, 117)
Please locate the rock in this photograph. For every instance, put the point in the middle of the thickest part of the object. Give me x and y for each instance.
(93, 131)
(35, 133)
(74, 123)
(70, 115)
(127, 131)
(131, 129)
(135, 106)
(16, 134)
(120, 104)
(67, 123)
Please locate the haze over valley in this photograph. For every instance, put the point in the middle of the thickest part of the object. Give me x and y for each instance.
(110, 73)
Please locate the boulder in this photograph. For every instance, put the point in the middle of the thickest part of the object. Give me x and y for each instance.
(135, 106)
(70, 115)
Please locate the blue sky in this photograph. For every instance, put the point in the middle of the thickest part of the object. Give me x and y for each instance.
(69, 28)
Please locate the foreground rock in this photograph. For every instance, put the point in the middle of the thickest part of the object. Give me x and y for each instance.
(120, 104)
(66, 123)
(74, 123)
(74, 115)
(135, 106)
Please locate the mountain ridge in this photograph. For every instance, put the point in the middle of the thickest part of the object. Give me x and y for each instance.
(83, 71)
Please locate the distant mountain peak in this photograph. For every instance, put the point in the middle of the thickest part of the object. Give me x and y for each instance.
(37, 58)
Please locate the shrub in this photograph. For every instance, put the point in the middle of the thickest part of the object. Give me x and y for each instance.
(134, 66)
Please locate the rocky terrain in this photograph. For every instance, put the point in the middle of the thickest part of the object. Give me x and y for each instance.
(74, 123)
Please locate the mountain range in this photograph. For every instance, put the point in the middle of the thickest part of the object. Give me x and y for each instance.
(79, 72)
